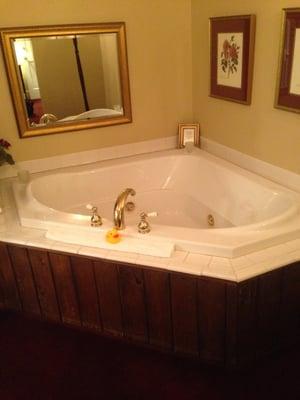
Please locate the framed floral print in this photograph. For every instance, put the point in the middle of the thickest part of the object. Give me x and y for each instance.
(288, 82)
(231, 57)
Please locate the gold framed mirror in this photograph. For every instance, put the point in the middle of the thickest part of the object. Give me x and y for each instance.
(67, 77)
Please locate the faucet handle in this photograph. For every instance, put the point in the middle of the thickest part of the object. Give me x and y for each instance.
(152, 214)
(144, 226)
(96, 220)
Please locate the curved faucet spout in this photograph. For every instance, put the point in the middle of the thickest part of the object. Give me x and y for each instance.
(119, 209)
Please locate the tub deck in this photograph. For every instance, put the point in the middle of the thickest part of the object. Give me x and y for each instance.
(251, 213)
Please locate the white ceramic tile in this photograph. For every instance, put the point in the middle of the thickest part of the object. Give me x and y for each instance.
(282, 176)
(122, 256)
(93, 252)
(41, 242)
(240, 262)
(199, 260)
(293, 244)
(177, 258)
(295, 256)
(195, 263)
(268, 253)
(249, 272)
(13, 237)
(21, 236)
(160, 262)
(221, 268)
(86, 157)
(267, 265)
(65, 247)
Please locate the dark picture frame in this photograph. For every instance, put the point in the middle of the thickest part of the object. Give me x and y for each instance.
(231, 57)
(288, 81)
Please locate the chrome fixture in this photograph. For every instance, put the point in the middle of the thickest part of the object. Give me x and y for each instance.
(144, 226)
(119, 208)
(210, 220)
(48, 119)
(130, 206)
(96, 220)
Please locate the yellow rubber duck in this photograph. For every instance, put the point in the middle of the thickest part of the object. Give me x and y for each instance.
(113, 236)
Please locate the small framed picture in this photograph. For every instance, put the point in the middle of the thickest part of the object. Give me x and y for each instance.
(188, 133)
(231, 57)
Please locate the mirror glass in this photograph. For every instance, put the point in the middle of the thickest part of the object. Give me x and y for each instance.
(66, 78)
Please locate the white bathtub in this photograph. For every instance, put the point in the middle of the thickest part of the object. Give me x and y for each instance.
(250, 212)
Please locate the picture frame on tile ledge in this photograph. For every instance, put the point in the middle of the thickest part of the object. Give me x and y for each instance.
(288, 80)
(188, 133)
(231, 57)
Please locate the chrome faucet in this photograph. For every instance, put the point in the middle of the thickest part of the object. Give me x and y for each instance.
(47, 119)
(119, 209)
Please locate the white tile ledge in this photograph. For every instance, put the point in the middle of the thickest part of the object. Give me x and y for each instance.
(236, 269)
(276, 174)
(88, 157)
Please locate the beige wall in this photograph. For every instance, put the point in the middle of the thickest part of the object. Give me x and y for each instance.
(159, 55)
(160, 64)
(259, 130)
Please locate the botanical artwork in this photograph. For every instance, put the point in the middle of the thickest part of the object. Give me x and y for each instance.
(295, 75)
(230, 59)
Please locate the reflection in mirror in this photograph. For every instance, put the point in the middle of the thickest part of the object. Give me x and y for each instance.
(66, 78)
(79, 82)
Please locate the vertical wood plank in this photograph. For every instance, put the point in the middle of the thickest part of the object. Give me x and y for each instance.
(247, 321)
(133, 303)
(212, 320)
(87, 292)
(2, 302)
(8, 281)
(25, 280)
(268, 305)
(290, 306)
(157, 289)
(231, 340)
(44, 284)
(184, 313)
(2, 285)
(106, 275)
(66, 294)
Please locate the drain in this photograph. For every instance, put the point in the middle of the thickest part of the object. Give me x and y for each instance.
(210, 220)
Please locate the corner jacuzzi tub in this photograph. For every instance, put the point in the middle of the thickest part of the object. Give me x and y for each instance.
(250, 213)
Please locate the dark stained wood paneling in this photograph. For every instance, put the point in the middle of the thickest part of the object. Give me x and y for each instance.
(290, 307)
(44, 284)
(8, 281)
(65, 290)
(157, 290)
(184, 313)
(106, 275)
(83, 272)
(268, 305)
(247, 321)
(133, 303)
(2, 302)
(25, 280)
(212, 319)
(231, 339)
